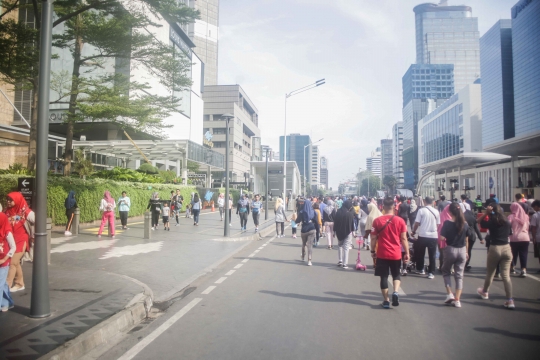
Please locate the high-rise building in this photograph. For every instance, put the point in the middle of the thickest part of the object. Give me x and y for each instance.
(244, 132)
(315, 167)
(497, 83)
(324, 172)
(387, 168)
(448, 35)
(453, 128)
(267, 149)
(428, 81)
(526, 63)
(204, 33)
(298, 149)
(397, 153)
(373, 163)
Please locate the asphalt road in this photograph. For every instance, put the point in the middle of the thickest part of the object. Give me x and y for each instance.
(264, 303)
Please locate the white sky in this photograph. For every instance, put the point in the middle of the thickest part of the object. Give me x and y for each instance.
(361, 47)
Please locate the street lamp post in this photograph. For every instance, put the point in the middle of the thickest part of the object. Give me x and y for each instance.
(292, 93)
(39, 304)
(226, 226)
(305, 176)
(267, 192)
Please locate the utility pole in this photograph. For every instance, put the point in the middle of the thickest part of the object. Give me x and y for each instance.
(226, 227)
(267, 191)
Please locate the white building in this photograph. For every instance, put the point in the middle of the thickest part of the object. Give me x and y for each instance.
(315, 167)
(373, 163)
(397, 153)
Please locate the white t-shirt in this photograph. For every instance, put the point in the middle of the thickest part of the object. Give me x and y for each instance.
(535, 221)
(428, 217)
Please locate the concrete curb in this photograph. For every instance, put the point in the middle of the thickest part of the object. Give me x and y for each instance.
(99, 335)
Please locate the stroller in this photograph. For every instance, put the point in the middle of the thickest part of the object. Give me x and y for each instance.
(359, 265)
(411, 265)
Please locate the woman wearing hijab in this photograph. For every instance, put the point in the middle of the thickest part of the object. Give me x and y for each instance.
(155, 207)
(519, 240)
(329, 214)
(70, 205)
(281, 217)
(308, 217)
(373, 213)
(343, 227)
(445, 215)
(7, 250)
(22, 221)
(196, 209)
(362, 218)
(107, 207)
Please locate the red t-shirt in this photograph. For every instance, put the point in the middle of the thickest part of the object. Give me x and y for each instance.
(389, 240)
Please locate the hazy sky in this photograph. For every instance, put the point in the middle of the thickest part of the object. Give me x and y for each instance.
(361, 47)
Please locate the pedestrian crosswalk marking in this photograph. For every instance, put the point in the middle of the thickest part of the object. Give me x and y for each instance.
(88, 245)
(132, 250)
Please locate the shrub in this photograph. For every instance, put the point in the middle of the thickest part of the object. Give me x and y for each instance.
(148, 169)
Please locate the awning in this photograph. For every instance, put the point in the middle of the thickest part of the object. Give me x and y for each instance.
(464, 161)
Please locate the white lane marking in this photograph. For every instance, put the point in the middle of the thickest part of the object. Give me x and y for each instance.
(60, 240)
(533, 277)
(160, 330)
(264, 245)
(230, 272)
(260, 248)
(256, 251)
(220, 280)
(208, 290)
(132, 250)
(88, 245)
(251, 255)
(245, 260)
(238, 266)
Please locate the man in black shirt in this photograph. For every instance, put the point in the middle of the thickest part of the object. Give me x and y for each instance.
(403, 210)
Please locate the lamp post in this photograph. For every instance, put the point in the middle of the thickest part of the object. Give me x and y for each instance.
(292, 93)
(226, 226)
(305, 177)
(40, 305)
(266, 195)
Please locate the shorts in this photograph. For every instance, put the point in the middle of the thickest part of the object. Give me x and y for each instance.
(165, 219)
(386, 267)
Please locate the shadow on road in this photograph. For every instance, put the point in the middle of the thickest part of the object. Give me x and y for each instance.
(491, 330)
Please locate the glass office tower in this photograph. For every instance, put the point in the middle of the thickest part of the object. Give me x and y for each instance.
(296, 145)
(526, 63)
(448, 35)
(497, 83)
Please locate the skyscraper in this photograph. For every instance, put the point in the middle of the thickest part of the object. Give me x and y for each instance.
(387, 168)
(397, 153)
(298, 148)
(373, 163)
(204, 33)
(315, 167)
(427, 81)
(448, 35)
(497, 83)
(324, 172)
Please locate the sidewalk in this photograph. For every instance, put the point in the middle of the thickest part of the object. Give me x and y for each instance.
(91, 279)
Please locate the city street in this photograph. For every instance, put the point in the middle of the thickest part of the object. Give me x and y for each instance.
(265, 303)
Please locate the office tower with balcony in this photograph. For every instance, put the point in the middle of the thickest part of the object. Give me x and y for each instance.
(373, 163)
(315, 168)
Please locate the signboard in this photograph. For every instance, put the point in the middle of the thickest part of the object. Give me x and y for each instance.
(207, 140)
(26, 187)
(275, 171)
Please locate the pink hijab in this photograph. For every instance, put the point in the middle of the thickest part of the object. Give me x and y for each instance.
(445, 215)
(108, 198)
(518, 214)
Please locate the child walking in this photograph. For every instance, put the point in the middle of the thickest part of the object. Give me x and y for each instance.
(294, 225)
(166, 213)
(188, 211)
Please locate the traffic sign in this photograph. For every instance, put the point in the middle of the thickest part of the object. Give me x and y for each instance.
(26, 186)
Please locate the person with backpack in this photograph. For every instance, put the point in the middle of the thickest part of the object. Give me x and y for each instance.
(256, 209)
(155, 206)
(242, 209)
(388, 236)
(107, 207)
(426, 222)
(308, 232)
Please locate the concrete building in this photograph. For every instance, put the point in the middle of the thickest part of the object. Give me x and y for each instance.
(453, 128)
(315, 168)
(205, 33)
(497, 83)
(448, 35)
(428, 81)
(223, 99)
(298, 148)
(387, 167)
(397, 153)
(373, 163)
(324, 172)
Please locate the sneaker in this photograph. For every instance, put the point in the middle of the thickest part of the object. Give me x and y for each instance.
(395, 299)
(510, 304)
(468, 268)
(309, 263)
(483, 295)
(230, 224)
(346, 267)
(99, 236)
(67, 233)
(153, 228)
(6, 308)
(386, 304)
(340, 264)
(523, 274)
(16, 288)
(367, 247)
(449, 299)
(431, 276)
(513, 271)
(404, 272)
(256, 229)
(456, 303)
(112, 236)
(420, 272)
(303, 258)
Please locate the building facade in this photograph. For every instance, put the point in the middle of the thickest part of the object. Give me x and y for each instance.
(324, 172)
(373, 163)
(497, 83)
(315, 168)
(397, 153)
(526, 64)
(387, 167)
(453, 128)
(448, 35)
(428, 81)
(205, 33)
(298, 148)
(243, 128)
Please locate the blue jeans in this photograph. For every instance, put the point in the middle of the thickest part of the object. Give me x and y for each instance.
(196, 213)
(6, 300)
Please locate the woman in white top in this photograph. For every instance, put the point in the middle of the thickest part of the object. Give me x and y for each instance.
(221, 204)
(107, 207)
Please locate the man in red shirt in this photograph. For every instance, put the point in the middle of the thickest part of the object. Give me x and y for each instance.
(388, 235)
